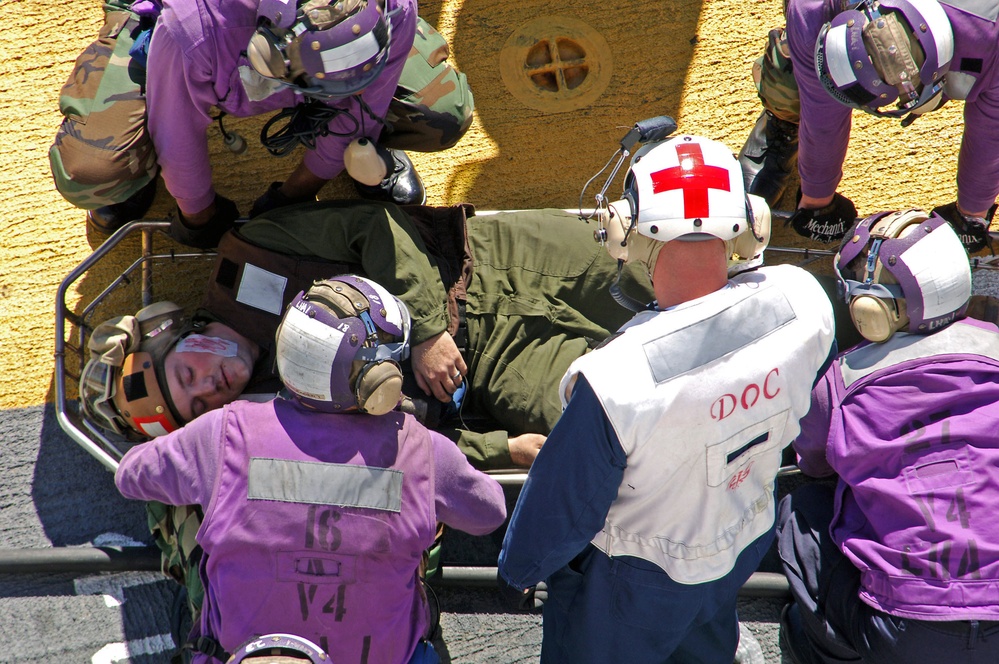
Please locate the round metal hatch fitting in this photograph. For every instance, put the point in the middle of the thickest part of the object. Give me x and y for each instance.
(556, 64)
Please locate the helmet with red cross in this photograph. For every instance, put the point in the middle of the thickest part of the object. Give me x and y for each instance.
(688, 187)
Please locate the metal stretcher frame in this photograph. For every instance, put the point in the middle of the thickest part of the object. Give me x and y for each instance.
(73, 328)
(108, 448)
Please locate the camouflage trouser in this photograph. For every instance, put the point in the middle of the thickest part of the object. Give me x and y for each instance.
(774, 79)
(103, 153)
(174, 529)
(433, 104)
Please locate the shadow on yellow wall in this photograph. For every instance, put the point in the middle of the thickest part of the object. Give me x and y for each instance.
(556, 86)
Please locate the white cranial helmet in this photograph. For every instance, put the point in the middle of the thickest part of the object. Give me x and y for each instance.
(687, 187)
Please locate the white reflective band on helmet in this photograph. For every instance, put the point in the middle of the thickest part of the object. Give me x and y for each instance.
(306, 360)
(939, 26)
(931, 264)
(348, 56)
(396, 315)
(199, 343)
(838, 57)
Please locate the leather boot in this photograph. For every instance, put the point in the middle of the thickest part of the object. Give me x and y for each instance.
(108, 219)
(769, 157)
(402, 184)
(792, 637)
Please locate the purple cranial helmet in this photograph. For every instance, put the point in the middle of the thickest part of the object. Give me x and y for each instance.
(878, 53)
(340, 345)
(270, 646)
(903, 270)
(324, 48)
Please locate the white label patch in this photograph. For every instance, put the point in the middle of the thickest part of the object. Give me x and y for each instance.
(258, 87)
(199, 343)
(261, 289)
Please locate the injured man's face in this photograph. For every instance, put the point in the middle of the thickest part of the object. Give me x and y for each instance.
(206, 371)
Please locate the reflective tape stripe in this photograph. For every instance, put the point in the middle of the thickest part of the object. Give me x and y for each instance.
(350, 55)
(325, 484)
(955, 339)
(729, 330)
(987, 9)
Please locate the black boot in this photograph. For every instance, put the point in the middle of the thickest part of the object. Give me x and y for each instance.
(792, 634)
(110, 218)
(402, 184)
(769, 157)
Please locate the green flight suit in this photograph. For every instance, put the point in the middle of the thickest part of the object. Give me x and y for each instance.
(537, 300)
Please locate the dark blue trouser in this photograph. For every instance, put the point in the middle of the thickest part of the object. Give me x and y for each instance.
(625, 609)
(839, 627)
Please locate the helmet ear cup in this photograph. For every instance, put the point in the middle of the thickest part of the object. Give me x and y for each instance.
(619, 229)
(746, 249)
(264, 55)
(877, 319)
(378, 387)
(631, 195)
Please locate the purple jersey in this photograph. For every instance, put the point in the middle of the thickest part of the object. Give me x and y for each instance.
(825, 123)
(909, 426)
(315, 524)
(197, 60)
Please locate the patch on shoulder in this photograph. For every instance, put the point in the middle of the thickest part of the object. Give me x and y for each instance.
(738, 325)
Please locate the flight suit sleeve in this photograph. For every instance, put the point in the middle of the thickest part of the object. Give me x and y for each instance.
(379, 237)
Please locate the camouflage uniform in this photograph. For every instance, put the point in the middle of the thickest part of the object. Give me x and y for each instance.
(432, 107)
(103, 153)
(775, 80)
(173, 530)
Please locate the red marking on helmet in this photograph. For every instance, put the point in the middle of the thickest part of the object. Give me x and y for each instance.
(154, 426)
(694, 177)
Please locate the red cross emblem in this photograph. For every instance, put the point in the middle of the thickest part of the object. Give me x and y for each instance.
(693, 177)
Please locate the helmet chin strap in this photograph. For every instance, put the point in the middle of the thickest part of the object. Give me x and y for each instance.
(622, 298)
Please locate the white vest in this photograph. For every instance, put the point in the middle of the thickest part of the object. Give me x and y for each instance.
(703, 399)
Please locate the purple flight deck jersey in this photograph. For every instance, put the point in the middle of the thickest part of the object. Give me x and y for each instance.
(315, 523)
(197, 60)
(910, 427)
(825, 123)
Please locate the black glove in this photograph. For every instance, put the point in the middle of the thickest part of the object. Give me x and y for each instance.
(828, 224)
(973, 231)
(529, 599)
(273, 198)
(208, 235)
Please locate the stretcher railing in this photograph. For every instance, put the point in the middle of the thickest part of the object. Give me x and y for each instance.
(143, 282)
(103, 293)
